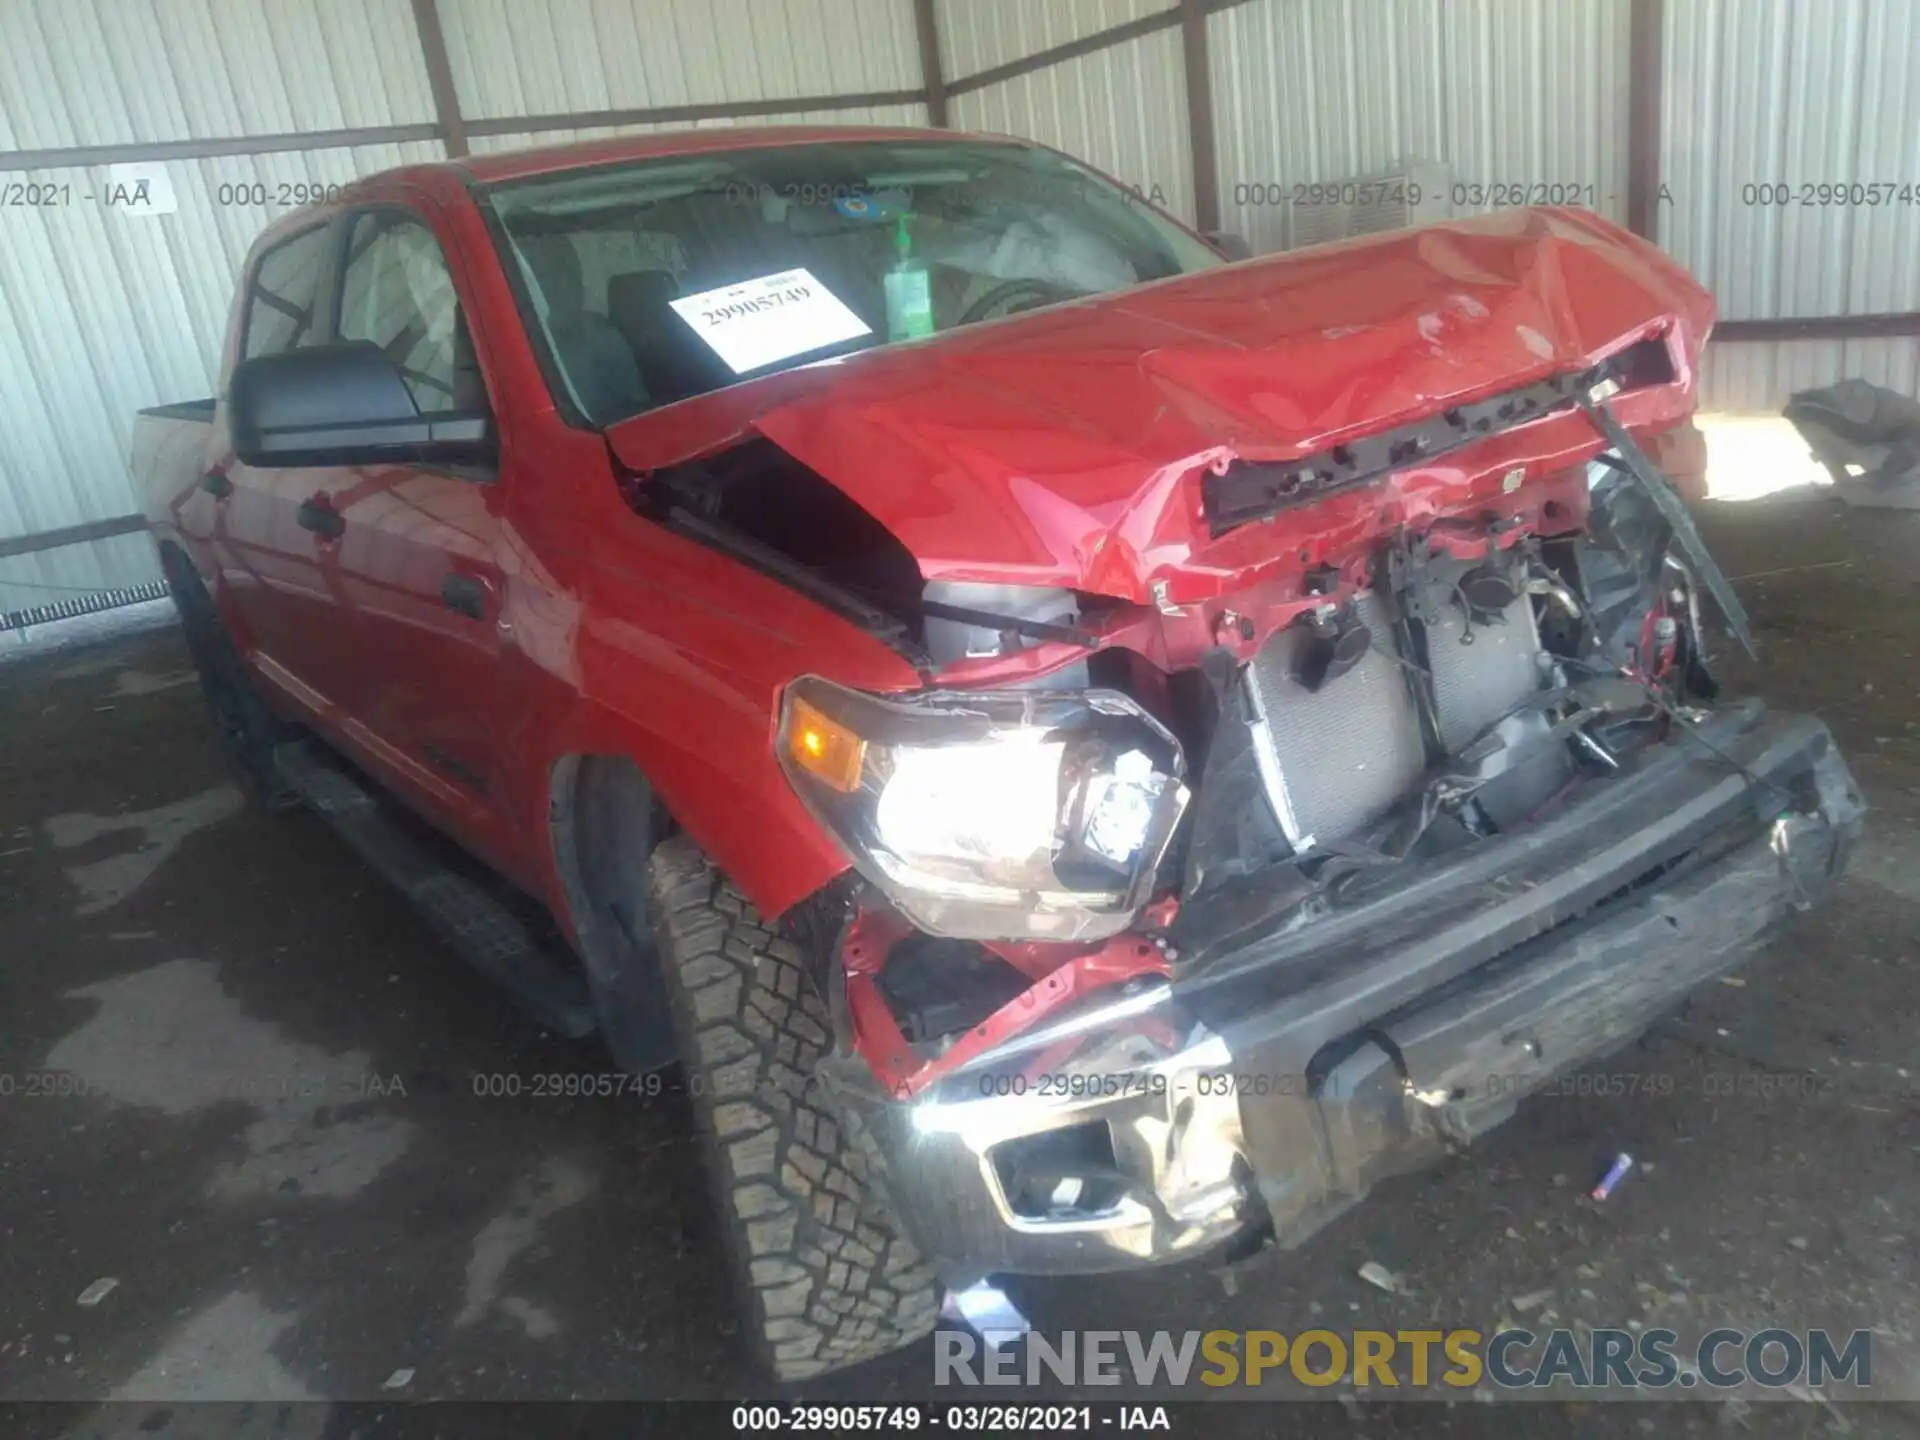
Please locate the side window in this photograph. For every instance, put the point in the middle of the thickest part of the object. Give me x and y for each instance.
(286, 288)
(396, 291)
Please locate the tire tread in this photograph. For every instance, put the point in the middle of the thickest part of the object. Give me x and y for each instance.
(828, 1278)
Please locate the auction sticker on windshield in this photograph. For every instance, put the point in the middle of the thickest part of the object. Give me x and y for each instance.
(773, 317)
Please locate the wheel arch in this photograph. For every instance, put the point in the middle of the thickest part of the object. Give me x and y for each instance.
(603, 820)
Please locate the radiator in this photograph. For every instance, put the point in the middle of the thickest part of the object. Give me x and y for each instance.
(1336, 759)
(1345, 753)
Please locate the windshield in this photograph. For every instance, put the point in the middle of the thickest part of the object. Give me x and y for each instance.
(646, 283)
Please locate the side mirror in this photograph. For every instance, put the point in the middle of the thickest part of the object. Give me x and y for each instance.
(343, 404)
(1234, 247)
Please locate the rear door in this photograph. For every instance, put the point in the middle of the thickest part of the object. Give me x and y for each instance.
(273, 538)
(420, 549)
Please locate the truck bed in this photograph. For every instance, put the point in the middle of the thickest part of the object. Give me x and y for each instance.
(200, 410)
(169, 457)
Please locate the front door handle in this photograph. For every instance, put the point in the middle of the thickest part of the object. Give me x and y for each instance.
(322, 519)
(216, 484)
(464, 595)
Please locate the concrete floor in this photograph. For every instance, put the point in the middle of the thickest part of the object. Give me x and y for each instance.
(277, 1150)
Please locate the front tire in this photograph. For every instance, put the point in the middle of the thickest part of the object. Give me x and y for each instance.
(822, 1273)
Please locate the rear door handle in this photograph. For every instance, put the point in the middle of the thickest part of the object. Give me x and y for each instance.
(322, 519)
(464, 595)
(216, 484)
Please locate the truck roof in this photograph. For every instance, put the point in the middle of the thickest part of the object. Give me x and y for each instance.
(549, 159)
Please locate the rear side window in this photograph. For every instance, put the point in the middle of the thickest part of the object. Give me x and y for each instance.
(396, 291)
(281, 313)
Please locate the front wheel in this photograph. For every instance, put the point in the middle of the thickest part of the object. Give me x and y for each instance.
(822, 1273)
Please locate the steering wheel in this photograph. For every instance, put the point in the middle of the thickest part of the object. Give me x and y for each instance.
(1013, 296)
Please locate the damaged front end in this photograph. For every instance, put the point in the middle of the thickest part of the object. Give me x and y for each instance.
(1180, 924)
(1261, 826)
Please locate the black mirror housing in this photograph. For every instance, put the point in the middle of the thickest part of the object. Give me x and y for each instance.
(343, 404)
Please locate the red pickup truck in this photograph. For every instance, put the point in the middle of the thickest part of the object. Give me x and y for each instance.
(1085, 753)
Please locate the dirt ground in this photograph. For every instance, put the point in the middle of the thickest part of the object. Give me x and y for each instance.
(270, 1132)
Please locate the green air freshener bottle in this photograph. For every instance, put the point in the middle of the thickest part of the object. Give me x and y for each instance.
(909, 290)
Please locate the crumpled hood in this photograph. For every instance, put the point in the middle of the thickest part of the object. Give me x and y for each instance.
(1065, 447)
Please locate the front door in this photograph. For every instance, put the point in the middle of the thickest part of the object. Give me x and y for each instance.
(419, 548)
(275, 538)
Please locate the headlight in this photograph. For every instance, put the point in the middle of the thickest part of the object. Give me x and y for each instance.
(1019, 814)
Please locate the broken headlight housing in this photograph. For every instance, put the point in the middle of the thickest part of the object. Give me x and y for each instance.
(1015, 814)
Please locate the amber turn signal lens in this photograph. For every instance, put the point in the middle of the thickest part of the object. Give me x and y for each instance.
(825, 748)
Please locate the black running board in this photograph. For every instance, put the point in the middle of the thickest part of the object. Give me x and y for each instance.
(551, 992)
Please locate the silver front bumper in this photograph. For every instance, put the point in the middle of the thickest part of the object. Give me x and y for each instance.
(1277, 1088)
(1171, 1119)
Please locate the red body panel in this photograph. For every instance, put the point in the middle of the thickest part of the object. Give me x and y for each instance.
(1062, 448)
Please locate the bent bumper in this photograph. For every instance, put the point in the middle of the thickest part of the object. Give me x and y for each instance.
(1281, 1076)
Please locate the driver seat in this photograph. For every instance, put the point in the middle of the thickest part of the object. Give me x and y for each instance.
(590, 348)
(674, 362)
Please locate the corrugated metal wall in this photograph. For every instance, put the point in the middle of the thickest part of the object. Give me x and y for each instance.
(1122, 108)
(110, 72)
(511, 58)
(1511, 92)
(1756, 378)
(981, 35)
(858, 115)
(1801, 99)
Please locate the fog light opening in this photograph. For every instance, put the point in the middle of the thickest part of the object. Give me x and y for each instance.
(1065, 1174)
